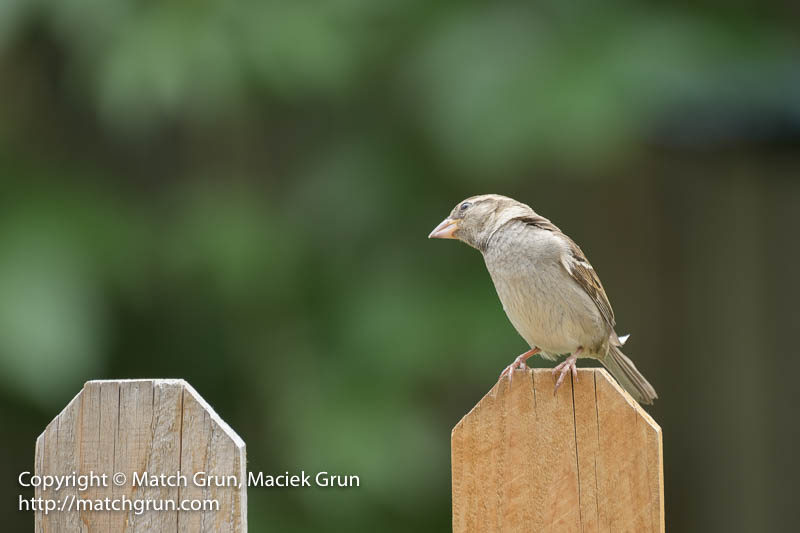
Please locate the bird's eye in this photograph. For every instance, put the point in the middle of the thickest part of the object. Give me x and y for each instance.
(464, 206)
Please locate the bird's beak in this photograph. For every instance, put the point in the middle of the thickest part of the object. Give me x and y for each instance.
(445, 230)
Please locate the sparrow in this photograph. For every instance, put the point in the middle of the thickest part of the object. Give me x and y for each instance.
(549, 290)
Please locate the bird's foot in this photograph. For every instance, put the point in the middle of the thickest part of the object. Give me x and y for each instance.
(509, 370)
(519, 363)
(565, 367)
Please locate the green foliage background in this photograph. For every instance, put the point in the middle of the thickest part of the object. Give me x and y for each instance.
(238, 193)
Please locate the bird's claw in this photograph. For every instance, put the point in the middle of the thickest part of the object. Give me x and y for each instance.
(518, 363)
(563, 368)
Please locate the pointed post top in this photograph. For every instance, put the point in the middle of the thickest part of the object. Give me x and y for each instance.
(154, 449)
(588, 458)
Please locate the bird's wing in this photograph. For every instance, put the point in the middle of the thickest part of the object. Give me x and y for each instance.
(579, 268)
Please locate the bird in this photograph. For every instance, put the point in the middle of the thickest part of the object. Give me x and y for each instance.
(549, 290)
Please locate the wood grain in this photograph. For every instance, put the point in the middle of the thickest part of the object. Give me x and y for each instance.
(586, 459)
(136, 426)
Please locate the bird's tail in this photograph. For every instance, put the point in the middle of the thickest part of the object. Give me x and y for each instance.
(624, 371)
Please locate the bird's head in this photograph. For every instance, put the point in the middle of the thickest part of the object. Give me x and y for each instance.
(475, 219)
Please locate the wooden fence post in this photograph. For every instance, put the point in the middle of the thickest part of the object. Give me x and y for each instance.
(586, 459)
(123, 429)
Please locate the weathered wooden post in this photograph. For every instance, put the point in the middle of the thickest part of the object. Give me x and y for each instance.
(140, 455)
(586, 459)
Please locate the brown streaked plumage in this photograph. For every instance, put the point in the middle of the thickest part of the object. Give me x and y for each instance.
(549, 290)
(580, 270)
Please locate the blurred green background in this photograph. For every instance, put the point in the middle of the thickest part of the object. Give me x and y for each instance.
(239, 194)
